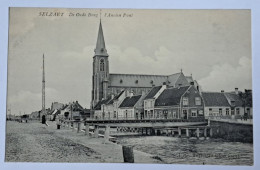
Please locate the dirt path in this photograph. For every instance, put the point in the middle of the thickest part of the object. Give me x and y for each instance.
(34, 142)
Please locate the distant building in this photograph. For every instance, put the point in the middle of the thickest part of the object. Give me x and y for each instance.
(131, 107)
(73, 111)
(149, 101)
(228, 105)
(56, 105)
(179, 103)
(35, 115)
(216, 104)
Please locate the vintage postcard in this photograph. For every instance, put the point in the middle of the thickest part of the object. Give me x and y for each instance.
(129, 86)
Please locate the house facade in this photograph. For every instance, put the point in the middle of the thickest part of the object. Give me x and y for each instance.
(179, 103)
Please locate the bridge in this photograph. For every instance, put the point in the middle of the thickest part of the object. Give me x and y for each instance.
(142, 126)
(147, 123)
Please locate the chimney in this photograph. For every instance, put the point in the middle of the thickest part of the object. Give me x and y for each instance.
(236, 90)
(131, 94)
(112, 96)
(222, 91)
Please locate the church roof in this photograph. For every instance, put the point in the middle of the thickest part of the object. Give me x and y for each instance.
(100, 46)
(153, 92)
(130, 101)
(136, 80)
(171, 96)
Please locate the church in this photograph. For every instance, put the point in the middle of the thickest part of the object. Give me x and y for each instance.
(106, 84)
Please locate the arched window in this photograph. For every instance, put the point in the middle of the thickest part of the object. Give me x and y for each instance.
(102, 65)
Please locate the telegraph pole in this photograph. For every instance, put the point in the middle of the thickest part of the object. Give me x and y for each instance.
(43, 87)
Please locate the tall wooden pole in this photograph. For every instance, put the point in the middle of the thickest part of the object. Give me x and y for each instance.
(43, 87)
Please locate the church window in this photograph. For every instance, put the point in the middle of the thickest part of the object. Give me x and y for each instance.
(102, 65)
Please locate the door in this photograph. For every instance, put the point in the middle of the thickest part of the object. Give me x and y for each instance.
(185, 114)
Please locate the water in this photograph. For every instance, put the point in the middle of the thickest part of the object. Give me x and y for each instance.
(192, 151)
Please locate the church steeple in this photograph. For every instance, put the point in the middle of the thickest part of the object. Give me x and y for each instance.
(100, 46)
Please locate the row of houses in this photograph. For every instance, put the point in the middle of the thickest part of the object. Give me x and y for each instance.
(183, 102)
(70, 111)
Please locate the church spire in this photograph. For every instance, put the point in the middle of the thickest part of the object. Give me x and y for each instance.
(100, 47)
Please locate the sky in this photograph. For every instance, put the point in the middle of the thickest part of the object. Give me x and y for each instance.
(212, 45)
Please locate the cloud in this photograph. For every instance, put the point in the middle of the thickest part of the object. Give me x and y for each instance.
(132, 61)
(27, 101)
(227, 77)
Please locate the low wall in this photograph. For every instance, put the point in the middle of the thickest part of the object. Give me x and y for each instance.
(234, 132)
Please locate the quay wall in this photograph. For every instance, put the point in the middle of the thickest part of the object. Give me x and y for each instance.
(234, 132)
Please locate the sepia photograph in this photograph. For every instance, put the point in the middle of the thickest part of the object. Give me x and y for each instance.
(146, 86)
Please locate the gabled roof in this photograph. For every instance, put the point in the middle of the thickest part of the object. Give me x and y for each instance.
(171, 96)
(172, 79)
(215, 99)
(153, 92)
(98, 105)
(189, 78)
(116, 97)
(130, 101)
(235, 98)
(64, 107)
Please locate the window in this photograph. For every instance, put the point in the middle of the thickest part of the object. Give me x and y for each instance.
(102, 65)
(193, 113)
(237, 111)
(197, 101)
(121, 81)
(220, 111)
(174, 115)
(210, 111)
(248, 111)
(227, 111)
(136, 81)
(232, 111)
(185, 101)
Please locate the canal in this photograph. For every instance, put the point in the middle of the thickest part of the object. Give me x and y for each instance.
(174, 150)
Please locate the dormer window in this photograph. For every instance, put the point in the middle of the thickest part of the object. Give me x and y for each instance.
(102, 65)
(121, 81)
(136, 81)
(151, 81)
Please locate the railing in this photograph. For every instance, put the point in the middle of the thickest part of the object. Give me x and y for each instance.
(198, 119)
